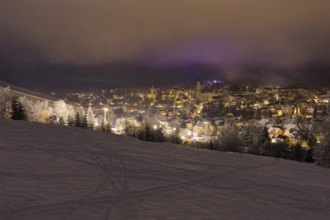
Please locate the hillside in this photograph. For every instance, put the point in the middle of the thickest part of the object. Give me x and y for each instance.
(51, 172)
(19, 91)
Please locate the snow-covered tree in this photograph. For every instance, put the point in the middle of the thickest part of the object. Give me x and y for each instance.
(90, 118)
(5, 102)
(39, 109)
(28, 106)
(71, 111)
(42, 112)
(81, 111)
(61, 109)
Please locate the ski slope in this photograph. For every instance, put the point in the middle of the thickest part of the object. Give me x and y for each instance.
(52, 172)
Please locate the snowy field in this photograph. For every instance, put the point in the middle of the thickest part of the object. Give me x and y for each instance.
(62, 173)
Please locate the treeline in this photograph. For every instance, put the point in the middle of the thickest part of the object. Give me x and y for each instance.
(18, 112)
(81, 121)
(278, 150)
(147, 133)
(254, 139)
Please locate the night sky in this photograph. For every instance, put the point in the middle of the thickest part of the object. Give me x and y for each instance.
(54, 44)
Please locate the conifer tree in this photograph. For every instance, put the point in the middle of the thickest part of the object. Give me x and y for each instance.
(141, 134)
(18, 111)
(84, 123)
(61, 121)
(108, 128)
(15, 109)
(230, 139)
(297, 153)
(77, 121)
(159, 135)
(70, 121)
(253, 137)
(148, 135)
(102, 126)
(210, 145)
(90, 118)
(322, 153)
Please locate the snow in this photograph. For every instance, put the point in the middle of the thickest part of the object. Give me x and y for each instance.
(52, 172)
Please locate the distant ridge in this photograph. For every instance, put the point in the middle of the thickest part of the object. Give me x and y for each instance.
(20, 91)
(26, 92)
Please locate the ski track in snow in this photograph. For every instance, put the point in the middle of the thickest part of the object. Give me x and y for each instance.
(63, 173)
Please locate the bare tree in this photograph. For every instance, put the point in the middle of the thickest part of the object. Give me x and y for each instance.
(5, 102)
(61, 110)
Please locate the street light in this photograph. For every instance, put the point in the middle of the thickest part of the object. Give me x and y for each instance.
(105, 115)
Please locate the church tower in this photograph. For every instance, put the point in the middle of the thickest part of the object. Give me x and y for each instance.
(152, 95)
(152, 91)
(198, 88)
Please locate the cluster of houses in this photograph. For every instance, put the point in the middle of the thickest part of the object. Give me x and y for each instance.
(198, 113)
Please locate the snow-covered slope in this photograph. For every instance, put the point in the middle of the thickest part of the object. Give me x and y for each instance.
(65, 173)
